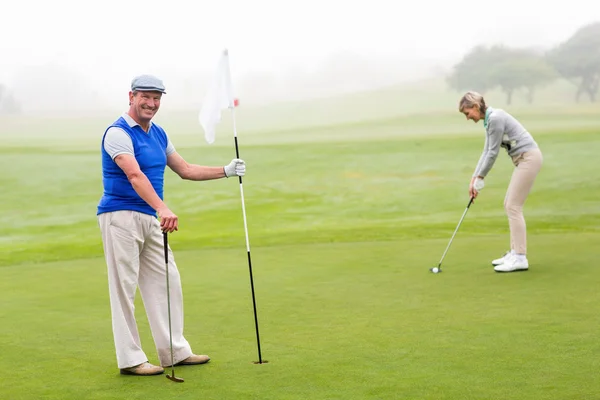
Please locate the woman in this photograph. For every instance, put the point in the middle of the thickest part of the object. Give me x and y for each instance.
(503, 130)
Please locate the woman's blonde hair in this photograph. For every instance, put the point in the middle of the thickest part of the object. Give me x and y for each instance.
(472, 99)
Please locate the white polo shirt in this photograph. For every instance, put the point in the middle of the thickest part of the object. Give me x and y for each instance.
(118, 142)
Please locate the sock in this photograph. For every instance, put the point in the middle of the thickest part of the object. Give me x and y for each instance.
(521, 257)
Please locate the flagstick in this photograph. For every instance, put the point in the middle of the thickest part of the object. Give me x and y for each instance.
(237, 154)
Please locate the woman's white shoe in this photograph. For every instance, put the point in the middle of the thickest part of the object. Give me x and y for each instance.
(514, 262)
(501, 260)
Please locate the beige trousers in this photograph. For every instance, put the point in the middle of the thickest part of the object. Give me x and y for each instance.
(134, 252)
(527, 166)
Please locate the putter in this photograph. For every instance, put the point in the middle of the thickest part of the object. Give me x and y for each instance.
(438, 269)
(172, 376)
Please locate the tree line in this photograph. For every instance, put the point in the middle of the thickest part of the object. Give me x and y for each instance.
(8, 103)
(511, 70)
(576, 60)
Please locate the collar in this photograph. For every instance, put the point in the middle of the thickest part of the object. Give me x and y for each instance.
(130, 121)
(488, 111)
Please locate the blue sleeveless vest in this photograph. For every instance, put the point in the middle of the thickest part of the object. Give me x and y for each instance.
(151, 154)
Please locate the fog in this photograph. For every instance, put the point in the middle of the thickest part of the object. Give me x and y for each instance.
(69, 56)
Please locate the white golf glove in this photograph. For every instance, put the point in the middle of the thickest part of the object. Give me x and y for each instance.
(235, 167)
(478, 184)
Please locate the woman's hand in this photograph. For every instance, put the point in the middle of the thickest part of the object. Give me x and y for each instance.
(475, 185)
(472, 192)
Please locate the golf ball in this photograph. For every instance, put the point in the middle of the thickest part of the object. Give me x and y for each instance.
(435, 270)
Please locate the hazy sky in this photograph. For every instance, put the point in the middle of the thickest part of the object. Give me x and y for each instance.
(110, 41)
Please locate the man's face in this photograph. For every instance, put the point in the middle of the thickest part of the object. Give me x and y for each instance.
(145, 104)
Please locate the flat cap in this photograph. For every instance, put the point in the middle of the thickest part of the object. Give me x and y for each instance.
(147, 83)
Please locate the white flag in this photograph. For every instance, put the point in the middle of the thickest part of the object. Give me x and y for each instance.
(218, 98)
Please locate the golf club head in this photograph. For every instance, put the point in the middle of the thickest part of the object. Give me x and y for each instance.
(174, 378)
(438, 269)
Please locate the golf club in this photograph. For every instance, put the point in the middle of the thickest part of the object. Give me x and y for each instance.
(438, 269)
(166, 247)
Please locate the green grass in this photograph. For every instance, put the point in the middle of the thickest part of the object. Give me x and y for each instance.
(344, 222)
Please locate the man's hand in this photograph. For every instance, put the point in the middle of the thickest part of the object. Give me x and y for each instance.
(235, 167)
(168, 220)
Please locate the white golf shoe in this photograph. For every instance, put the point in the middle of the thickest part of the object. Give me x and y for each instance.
(501, 260)
(514, 262)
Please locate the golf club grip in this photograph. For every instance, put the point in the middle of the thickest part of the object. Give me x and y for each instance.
(166, 245)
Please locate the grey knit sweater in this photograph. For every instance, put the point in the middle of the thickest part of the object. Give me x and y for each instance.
(502, 130)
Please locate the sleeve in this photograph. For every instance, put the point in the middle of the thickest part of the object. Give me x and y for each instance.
(117, 142)
(170, 147)
(493, 140)
(483, 156)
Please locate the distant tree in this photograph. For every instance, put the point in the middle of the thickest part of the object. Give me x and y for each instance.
(8, 103)
(578, 60)
(520, 69)
(483, 69)
(57, 89)
(473, 71)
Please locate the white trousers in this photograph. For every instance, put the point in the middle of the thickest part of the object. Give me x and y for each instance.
(134, 252)
(528, 165)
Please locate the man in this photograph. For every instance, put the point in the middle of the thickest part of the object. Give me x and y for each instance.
(135, 152)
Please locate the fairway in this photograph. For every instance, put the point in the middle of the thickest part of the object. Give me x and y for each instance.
(345, 219)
